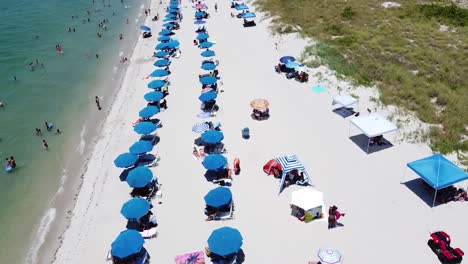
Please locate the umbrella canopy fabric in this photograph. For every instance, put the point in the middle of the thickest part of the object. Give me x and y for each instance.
(173, 44)
(153, 96)
(161, 63)
(165, 32)
(200, 127)
(208, 66)
(286, 59)
(159, 73)
(141, 147)
(199, 14)
(145, 28)
(135, 208)
(206, 45)
(199, 22)
(208, 96)
(202, 36)
(208, 80)
(248, 15)
(225, 241)
(292, 65)
(157, 84)
(125, 160)
(289, 163)
(161, 54)
(164, 38)
(307, 198)
(212, 136)
(127, 243)
(218, 197)
(173, 10)
(214, 162)
(242, 7)
(145, 128)
(207, 53)
(260, 104)
(168, 24)
(139, 177)
(161, 46)
(148, 111)
(329, 256)
(170, 16)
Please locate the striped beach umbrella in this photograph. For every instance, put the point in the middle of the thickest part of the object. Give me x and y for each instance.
(329, 256)
(200, 127)
(260, 104)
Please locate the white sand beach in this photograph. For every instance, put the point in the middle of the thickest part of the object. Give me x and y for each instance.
(385, 221)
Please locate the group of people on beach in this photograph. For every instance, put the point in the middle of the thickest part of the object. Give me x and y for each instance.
(10, 164)
(49, 126)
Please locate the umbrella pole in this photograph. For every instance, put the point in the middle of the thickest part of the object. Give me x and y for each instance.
(368, 143)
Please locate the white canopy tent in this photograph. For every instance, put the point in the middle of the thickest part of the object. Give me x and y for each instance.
(373, 125)
(308, 199)
(344, 100)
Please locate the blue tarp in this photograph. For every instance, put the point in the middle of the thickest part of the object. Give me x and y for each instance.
(438, 171)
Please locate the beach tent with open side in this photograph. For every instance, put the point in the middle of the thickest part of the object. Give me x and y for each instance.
(373, 125)
(344, 100)
(289, 163)
(438, 172)
(309, 200)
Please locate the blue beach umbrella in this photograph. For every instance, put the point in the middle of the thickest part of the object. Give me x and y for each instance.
(165, 32)
(161, 46)
(156, 84)
(161, 54)
(139, 177)
(173, 44)
(248, 15)
(225, 241)
(206, 45)
(212, 137)
(199, 14)
(145, 28)
(161, 63)
(286, 59)
(135, 208)
(168, 24)
(202, 36)
(127, 243)
(208, 66)
(145, 128)
(199, 22)
(207, 53)
(164, 38)
(208, 96)
(125, 160)
(214, 161)
(173, 10)
(208, 80)
(200, 127)
(170, 16)
(168, 20)
(141, 147)
(242, 7)
(148, 111)
(218, 197)
(159, 73)
(153, 96)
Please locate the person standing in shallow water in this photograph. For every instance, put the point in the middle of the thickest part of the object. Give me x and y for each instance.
(98, 104)
(44, 143)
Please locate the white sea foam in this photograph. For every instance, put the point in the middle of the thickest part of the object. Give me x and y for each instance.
(114, 69)
(121, 53)
(41, 234)
(82, 144)
(142, 6)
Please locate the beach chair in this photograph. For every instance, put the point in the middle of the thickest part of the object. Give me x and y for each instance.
(150, 233)
(226, 215)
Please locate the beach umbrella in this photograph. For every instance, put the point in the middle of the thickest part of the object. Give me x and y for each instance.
(157, 84)
(139, 177)
(161, 63)
(225, 241)
(153, 96)
(125, 160)
(173, 44)
(208, 66)
(329, 256)
(292, 65)
(199, 14)
(207, 53)
(161, 54)
(145, 128)
(218, 197)
(148, 111)
(128, 242)
(168, 20)
(145, 28)
(170, 16)
(173, 10)
(260, 104)
(202, 36)
(208, 96)
(135, 208)
(200, 127)
(214, 162)
(164, 38)
(161, 46)
(287, 59)
(141, 147)
(159, 73)
(248, 15)
(168, 24)
(242, 7)
(199, 22)
(206, 45)
(212, 136)
(165, 32)
(208, 80)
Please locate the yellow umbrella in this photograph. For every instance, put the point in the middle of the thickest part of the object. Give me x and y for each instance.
(260, 104)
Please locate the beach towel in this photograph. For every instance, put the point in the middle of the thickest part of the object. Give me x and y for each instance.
(318, 88)
(191, 258)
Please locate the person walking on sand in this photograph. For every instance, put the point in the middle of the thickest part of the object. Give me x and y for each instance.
(216, 7)
(98, 104)
(44, 143)
(236, 166)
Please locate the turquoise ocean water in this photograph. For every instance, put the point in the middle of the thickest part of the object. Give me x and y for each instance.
(62, 92)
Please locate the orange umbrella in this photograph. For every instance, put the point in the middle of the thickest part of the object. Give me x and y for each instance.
(260, 104)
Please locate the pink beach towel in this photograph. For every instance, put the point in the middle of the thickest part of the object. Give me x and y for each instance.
(191, 258)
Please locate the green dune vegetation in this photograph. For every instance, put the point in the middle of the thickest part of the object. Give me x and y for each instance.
(416, 54)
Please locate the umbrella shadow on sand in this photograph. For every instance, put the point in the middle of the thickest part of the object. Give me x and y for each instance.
(153, 139)
(362, 140)
(124, 174)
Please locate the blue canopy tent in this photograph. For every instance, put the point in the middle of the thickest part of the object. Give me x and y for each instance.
(225, 241)
(289, 163)
(128, 242)
(438, 172)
